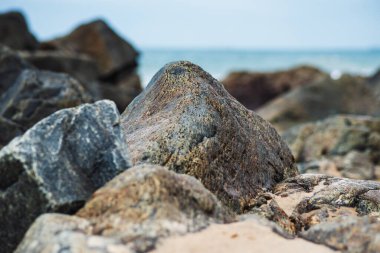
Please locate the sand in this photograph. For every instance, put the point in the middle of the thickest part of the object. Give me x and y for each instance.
(245, 236)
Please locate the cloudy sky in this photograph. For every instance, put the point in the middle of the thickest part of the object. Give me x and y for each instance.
(248, 24)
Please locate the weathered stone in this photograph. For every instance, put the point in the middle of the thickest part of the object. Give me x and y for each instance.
(344, 145)
(14, 32)
(8, 130)
(348, 95)
(57, 164)
(11, 65)
(254, 89)
(77, 65)
(37, 94)
(187, 121)
(347, 234)
(122, 90)
(96, 39)
(132, 212)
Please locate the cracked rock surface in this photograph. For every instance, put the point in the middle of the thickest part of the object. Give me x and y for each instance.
(57, 164)
(130, 213)
(185, 120)
(328, 210)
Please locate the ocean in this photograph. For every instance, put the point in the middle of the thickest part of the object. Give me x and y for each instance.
(221, 62)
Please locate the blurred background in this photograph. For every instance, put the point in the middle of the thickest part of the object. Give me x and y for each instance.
(223, 36)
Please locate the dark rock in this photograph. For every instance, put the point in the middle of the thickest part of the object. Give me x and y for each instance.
(348, 95)
(344, 145)
(57, 164)
(14, 32)
(37, 94)
(8, 130)
(123, 90)
(77, 65)
(131, 213)
(115, 58)
(11, 65)
(187, 121)
(98, 40)
(254, 89)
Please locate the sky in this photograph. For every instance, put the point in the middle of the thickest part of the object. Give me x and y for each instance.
(237, 24)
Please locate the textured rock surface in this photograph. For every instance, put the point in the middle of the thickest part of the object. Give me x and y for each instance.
(134, 210)
(255, 89)
(57, 164)
(14, 32)
(99, 41)
(344, 145)
(347, 234)
(348, 95)
(187, 121)
(327, 210)
(8, 130)
(77, 65)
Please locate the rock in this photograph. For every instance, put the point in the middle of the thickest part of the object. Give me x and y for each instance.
(343, 145)
(115, 58)
(8, 130)
(329, 210)
(98, 40)
(37, 94)
(254, 89)
(348, 95)
(11, 65)
(185, 120)
(132, 212)
(123, 89)
(347, 234)
(57, 164)
(14, 32)
(77, 65)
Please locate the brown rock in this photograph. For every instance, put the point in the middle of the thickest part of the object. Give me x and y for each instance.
(133, 211)
(98, 40)
(187, 121)
(14, 32)
(348, 95)
(254, 89)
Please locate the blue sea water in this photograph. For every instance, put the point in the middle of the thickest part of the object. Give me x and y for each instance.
(220, 62)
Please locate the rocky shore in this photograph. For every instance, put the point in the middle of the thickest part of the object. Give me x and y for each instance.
(91, 163)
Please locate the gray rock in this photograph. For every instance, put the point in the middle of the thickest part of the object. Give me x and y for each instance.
(14, 32)
(131, 213)
(8, 130)
(344, 145)
(347, 234)
(57, 164)
(80, 66)
(185, 120)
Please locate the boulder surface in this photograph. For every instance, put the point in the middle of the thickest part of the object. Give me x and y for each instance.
(131, 213)
(57, 164)
(185, 120)
(254, 89)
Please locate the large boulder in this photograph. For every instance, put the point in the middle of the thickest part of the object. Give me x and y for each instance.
(80, 66)
(347, 95)
(131, 213)
(57, 164)
(344, 145)
(185, 120)
(115, 59)
(14, 32)
(96, 39)
(254, 89)
(29, 95)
